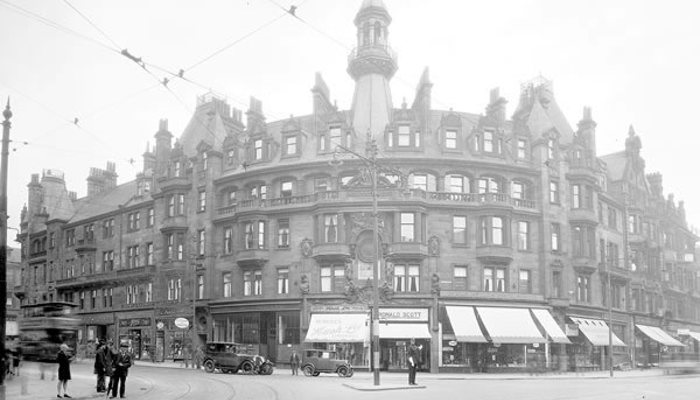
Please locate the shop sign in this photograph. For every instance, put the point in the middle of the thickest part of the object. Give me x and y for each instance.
(335, 308)
(403, 314)
(134, 322)
(683, 332)
(571, 329)
(452, 343)
(182, 323)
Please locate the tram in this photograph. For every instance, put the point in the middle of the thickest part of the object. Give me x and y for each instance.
(43, 327)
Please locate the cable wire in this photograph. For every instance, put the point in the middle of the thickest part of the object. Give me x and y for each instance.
(92, 24)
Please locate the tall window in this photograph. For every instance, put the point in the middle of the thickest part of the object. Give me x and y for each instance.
(492, 230)
(551, 149)
(177, 169)
(254, 235)
(149, 254)
(200, 286)
(290, 145)
(576, 196)
(420, 181)
(494, 279)
(286, 189)
(174, 288)
(249, 235)
(283, 281)
(456, 184)
(335, 135)
(93, 299)
(556, 284)
(522, 146)
(261, 234)
(205, 161)
(258, 149)
(517, 190)
(171, 205)
(149, 292)
(228, 240)
(180, 210)
(226, 278)
(407, 278)
(333, 278)
(488, 185)
(252, 283)
(554, 192)
(583, 289)
(400, 278)
(523, 235)
(488, 141)
(524, 282)
(170, 245)
(108, 228)
(330, 228)
(201, 242)
(408, 227)
(404, 135)
(413, 283)
(283, 233)
(202, 201)
(150, 217)
(459, 280)
(577, 241)
(459, 229)
(451, 139)
(556, 237)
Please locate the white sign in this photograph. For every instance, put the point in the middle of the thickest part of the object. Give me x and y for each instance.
(182, 323)
(683, 332)
(403, 314)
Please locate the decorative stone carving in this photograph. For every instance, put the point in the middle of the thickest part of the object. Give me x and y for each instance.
(435, 284)
(434, 246)
(307, 247)
(304, 284)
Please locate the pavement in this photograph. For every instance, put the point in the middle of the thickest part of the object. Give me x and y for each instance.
(29, 386)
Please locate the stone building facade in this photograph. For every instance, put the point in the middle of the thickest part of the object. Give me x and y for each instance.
(498, 236)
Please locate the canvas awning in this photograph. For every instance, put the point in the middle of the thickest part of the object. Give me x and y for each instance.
(464, 324)
(659, 335)
(694, 335)
(338, 328)
(402, 330)
(510, 325)
(550, 325)
(596, 331)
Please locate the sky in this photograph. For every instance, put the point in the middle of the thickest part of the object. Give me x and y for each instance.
(632, 61)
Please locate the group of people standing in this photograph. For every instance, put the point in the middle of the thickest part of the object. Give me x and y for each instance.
(112, 363)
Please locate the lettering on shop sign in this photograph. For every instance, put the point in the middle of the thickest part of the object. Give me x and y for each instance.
(125, 323)
(403, 314)
(339, 308)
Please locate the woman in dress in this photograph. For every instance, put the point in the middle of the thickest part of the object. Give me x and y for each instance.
(64, 360)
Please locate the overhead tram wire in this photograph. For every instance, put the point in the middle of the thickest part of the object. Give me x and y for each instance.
(97, 28)
(55, 25)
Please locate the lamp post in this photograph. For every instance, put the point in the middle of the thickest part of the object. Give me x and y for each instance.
(370, 161)
(610, 340)
(6, 124)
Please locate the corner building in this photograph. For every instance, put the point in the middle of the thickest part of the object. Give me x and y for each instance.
(503, 242)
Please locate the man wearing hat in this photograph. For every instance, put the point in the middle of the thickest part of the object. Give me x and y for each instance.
(100, 364)
(121, 363)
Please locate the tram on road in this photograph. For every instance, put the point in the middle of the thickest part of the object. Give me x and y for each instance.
(43, 327)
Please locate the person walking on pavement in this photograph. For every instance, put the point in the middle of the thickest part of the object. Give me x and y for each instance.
(413, 354)
(63, 360)
(121, 363)
(110, 354)
(294, 362)
(100, 366)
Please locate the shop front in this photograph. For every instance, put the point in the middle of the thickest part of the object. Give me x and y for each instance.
(137, 333)
(272, 334)
(397, 326)
(462, 339)
(516, 342)
(345, 333)
(590, 339)
(653, 343)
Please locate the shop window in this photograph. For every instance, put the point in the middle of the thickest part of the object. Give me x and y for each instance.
(288, 327)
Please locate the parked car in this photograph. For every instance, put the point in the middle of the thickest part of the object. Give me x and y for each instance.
(316, 361)
(227, 357)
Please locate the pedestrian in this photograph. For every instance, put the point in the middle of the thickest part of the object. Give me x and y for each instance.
(198, 356)
(110, 354)
(100, 366)
(186, 354)
(413, 361)
(294, 362)
(64, 359)
(121, 363)
(17, 354)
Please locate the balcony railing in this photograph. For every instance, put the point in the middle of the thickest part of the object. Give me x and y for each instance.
(353, 194)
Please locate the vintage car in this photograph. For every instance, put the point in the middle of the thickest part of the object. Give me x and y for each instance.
(316, 361)
(228, 357)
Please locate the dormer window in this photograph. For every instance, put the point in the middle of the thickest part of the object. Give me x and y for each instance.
(290, 145)
(230, 157)
(404, 135)
(488, 142)
(551, 147)
(335, 135)
(177, 169)
(451, 139)
(522, 149)
(257, 149)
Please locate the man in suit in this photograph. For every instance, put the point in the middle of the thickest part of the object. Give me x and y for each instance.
(122, 362)
(100, 366)
(294, 362)
(413, 356)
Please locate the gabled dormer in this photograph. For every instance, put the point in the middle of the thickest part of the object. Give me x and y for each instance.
(333, 131)
(292, 138)
(404, 132)
(450, 133)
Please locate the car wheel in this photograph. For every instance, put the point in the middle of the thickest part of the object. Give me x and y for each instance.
(308, 370)
(266, 369)
(209, 366)
(350, 372)
(317, 373)
(342, 371)
(247, 367)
